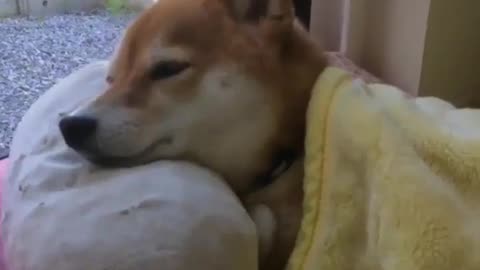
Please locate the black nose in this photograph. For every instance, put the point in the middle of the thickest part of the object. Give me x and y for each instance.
(77, 129)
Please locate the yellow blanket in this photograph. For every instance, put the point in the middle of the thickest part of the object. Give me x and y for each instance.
(391, 183)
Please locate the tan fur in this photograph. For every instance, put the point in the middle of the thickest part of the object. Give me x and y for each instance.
(243, 98)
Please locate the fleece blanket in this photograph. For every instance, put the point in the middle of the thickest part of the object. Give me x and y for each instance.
(391, 182)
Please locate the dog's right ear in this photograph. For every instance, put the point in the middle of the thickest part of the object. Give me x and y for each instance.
(239, 8)
(254, 10)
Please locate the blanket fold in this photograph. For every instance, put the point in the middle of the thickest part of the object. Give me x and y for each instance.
(391, 182)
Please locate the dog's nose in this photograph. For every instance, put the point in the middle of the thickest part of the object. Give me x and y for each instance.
(77, 129)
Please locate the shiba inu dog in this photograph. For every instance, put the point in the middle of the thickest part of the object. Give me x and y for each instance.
(223, 83)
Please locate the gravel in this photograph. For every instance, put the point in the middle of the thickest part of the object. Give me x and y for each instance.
(36, 52)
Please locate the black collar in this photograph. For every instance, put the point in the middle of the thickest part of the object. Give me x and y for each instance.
(280, 164)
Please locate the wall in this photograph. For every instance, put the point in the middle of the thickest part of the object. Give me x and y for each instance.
(394, 42)
(387, 37)
(452, 52)
(353, 40)
(51, 7)
(429, 48)
(8, 8)
(326, 22)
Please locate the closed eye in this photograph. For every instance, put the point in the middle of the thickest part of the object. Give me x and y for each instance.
(165, 69)
(109, 79)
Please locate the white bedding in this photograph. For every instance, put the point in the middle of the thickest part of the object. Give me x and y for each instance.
(62, 213)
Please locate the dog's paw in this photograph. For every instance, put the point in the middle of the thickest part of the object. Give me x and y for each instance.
(265, 223)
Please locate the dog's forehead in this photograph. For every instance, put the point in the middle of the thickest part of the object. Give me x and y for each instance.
(178, 23)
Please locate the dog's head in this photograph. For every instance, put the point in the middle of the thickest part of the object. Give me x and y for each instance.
(219, 82)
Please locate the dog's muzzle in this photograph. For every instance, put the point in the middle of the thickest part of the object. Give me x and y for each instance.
(77, 130)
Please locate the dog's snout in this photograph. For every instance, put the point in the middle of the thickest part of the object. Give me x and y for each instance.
(76, 130)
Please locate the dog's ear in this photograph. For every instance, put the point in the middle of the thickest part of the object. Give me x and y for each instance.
(278, 11)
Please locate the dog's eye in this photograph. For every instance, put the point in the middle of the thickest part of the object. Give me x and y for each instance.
(109, 79)
(165, 69)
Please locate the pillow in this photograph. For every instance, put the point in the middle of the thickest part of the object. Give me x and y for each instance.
(62, 213)
(3, 172)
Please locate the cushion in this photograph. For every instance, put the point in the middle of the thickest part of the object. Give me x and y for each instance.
(3, 172)
(63, 213)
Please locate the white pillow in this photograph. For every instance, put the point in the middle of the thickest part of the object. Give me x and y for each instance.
(62, 213)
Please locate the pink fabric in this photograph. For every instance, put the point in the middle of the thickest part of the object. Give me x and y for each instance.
(3, 172)
(3, 169)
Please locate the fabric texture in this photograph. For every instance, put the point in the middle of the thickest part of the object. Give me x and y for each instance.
(60, 212)
(391, 182)
(3, 173)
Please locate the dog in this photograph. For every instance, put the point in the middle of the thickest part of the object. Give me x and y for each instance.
(222, 83)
